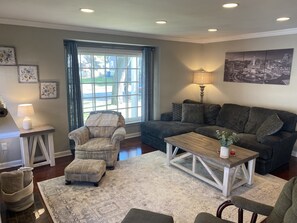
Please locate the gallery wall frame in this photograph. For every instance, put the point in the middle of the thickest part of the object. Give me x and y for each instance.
(259, 67)
(7, 56)
(48, 89)
(28, 74)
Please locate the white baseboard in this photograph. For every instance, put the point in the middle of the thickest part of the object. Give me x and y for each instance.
(10, 164)
(132, 135)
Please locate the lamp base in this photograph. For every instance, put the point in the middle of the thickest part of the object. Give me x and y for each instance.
(201, 93)
(27, 123)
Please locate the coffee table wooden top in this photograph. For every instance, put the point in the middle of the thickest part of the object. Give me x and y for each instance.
(206, 148)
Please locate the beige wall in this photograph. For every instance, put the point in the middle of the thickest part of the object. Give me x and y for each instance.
(44, 47)
(270, 96)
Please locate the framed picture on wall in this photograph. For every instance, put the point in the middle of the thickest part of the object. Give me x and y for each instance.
(48, 89)
(7, 56)
(259, 67)
(28, 73)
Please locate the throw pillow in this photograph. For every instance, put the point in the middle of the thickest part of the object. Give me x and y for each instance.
(176, 111)
(271, 125)
(193, 113)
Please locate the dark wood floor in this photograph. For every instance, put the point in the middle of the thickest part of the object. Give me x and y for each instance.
(129, 148)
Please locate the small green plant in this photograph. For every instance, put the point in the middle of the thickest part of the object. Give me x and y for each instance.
(226, 138)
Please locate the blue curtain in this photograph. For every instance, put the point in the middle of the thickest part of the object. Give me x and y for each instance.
(148, 78)
(75, 114)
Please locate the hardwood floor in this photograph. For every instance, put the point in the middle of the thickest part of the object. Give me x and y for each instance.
(129, 148)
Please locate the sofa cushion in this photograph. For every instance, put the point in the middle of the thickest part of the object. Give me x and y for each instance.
(258, 115)
(233, 117)
(193, 113)
(176, 111)
(211, 111)
(163, 129)
(270, 126)
(210, 130)
(249, 141)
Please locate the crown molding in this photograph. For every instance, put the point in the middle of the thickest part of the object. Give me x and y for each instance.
(144, 35)
(253, 35)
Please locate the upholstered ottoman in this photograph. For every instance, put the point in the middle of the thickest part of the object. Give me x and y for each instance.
(87, 170)
(143, 216)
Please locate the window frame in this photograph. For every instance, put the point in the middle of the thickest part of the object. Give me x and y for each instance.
(139, 81)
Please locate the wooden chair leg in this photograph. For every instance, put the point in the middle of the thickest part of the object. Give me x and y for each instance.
(222, 207)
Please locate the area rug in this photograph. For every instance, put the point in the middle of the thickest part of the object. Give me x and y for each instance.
(146, 182)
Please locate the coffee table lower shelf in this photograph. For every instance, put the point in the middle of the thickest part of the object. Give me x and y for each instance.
(232, 177)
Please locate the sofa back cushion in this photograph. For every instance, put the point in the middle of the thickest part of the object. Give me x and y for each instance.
(176, 111)
(233, 117)
(211, 111)
(258, 115)
(193, 113)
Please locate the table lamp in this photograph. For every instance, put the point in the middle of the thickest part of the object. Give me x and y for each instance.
(26, 110)
(202, 77)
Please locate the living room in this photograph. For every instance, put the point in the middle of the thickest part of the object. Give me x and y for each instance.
(42, 44)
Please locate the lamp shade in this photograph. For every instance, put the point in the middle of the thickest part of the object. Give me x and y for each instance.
(25, 110)
(202, 77)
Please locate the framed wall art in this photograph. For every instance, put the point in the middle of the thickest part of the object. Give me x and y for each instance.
(48, 89)
(259, 67)
(7, 56)
(28, 73)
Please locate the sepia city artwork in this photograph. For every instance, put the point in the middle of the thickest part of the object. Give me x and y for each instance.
(259, 67)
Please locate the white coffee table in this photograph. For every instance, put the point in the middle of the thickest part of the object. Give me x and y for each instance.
(204, 149)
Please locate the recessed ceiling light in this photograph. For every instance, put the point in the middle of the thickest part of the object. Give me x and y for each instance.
(212, 30)
(230, 5)
(161, 22)
(86, 10)
(282, 19)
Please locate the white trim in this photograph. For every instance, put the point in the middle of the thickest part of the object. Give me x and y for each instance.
(145, 35)
(294, 153)
(132, 135)
(253, 35)
(10, 164)
(63, 153)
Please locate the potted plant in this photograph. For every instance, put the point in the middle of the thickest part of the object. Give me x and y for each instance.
(226, 138)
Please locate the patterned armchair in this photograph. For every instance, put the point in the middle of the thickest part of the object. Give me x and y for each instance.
(284, 210)
(100, 137)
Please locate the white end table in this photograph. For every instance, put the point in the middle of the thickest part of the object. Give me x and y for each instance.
(41, 135)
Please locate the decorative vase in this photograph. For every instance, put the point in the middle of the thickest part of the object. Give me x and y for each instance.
(224, 152)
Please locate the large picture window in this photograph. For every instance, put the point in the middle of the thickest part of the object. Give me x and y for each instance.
(111, 79)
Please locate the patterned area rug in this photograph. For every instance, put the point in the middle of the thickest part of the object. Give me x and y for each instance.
(146, 182)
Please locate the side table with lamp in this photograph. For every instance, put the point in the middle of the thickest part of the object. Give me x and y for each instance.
(30, 137)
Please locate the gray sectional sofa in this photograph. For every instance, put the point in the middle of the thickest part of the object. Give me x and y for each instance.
(267, 131)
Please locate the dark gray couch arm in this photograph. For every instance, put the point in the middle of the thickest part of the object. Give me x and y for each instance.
(167, 116)
(282, 144)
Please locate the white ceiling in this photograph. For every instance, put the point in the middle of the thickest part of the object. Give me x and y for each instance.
(188, 20)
